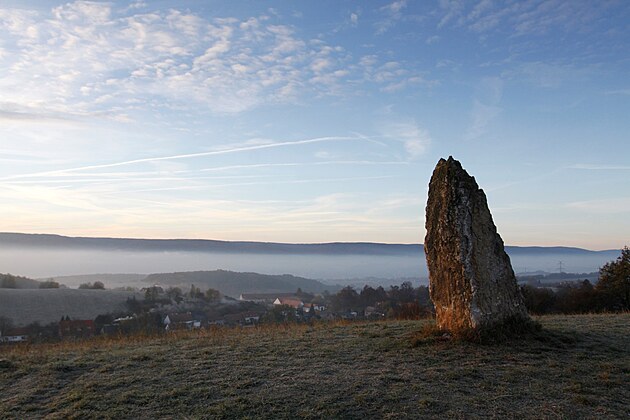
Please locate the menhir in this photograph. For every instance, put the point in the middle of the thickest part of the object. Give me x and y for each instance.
(471, 281)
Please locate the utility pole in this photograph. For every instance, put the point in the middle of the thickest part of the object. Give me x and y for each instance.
(560, 269)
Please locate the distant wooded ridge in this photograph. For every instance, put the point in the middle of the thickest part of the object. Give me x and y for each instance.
(23, 240)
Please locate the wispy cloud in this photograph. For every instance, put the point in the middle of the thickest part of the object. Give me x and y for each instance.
(393, 76)
(485, 106)
(354, 19)
(102, 58)
(188, 156)
(392, 12)
(599, 167)
(301, 164)
(603, 206)
(533, 17)
(415, 139)
(110, 62)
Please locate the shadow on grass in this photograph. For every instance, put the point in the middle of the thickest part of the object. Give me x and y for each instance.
(511, 332)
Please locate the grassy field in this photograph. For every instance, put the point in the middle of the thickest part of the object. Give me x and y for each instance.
(24, 306)
(579, 367)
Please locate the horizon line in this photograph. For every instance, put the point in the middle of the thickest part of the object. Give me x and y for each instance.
(285, 243)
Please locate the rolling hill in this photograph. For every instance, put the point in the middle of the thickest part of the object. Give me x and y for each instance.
(48, 305)
(23, 240)
(232, 284)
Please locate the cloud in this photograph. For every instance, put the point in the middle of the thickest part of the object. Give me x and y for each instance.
(599, 167)
(188, 156)
(452, 9)
(392, 13)
(481, 115)
(485, 106)
(354, 19)
(86, 56)
(603, 206)
(416, 140)
(301, 164)
(432, 40)
(552, 74)
(392, 76)
(534, 17)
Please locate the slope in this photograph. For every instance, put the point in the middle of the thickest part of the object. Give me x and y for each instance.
(232, 283)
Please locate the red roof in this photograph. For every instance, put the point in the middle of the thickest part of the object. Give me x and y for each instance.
(295, 303)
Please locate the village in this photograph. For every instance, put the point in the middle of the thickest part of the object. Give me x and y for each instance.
(165, 310)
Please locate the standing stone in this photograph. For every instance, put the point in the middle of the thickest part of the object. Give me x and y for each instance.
(471, 281)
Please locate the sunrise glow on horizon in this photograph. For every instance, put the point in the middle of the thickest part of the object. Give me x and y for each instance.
(310, 122)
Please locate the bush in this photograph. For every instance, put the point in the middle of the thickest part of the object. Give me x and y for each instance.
(614, 283)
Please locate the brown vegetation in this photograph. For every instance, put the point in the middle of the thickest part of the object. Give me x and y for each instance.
(578, 369)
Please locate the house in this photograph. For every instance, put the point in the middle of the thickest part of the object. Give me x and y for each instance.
(316, 307)
(251, 318)
(372, 312)
(76, 328)
(243, 319)
(180, 321)
(14, 335)
(293, 302)
(263, 297)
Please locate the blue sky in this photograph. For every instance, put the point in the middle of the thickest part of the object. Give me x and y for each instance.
(313, 121)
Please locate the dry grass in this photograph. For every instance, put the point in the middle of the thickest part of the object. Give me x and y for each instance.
(577, 368)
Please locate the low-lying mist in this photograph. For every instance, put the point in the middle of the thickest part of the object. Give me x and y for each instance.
(47, 262)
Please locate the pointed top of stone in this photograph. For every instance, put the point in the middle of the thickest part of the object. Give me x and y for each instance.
(451, 170)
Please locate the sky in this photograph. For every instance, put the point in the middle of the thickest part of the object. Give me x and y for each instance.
(314, 121)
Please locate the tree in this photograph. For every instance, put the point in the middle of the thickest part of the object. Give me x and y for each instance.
(175, 293)
(213, 295)
(347, 299)
(133, 305)
(369, 296)
(97, 285)
(539, 301)
(280, 313)
(49, 284)
(8, 282)
(614, 282)
(195, 292)
(152, 294)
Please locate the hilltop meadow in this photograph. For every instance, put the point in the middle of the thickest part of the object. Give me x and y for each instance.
(577, 367)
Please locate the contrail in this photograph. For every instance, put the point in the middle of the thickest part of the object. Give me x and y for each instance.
(190, 155)
(331, 162)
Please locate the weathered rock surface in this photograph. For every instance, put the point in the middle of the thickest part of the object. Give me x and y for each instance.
(471, 280)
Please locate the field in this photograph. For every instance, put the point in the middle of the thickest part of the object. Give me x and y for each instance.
(24, 306)
(577, 368)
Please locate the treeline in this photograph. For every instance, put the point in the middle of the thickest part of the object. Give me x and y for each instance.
(611, 293)
(9, 281)
(401, 302)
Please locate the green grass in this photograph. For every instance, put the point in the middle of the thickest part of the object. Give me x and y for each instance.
(578, 367)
